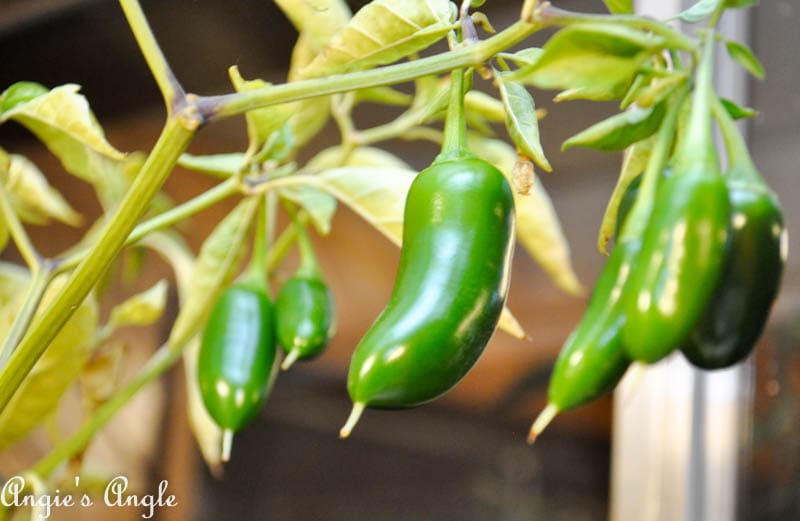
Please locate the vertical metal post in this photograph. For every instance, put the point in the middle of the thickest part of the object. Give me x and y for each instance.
(679, 432)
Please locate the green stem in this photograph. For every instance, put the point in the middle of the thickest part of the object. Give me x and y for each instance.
(740, 163)
(176, 136)
(162, 360)
(455, 126)
(309, 267)
(217, 107)
(170, 89)
(697, 146)
(283, 244)
(172, 216)
(640, 213)
(256, 272)
(39, 283)
(18, 233)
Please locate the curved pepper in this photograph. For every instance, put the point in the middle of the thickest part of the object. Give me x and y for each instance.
(449, 291)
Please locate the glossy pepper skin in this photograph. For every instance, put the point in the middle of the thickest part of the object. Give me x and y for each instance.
(237, 356)
(304, 317)
(449, 291)
(592, 360)
(735, 316)
(679, 265)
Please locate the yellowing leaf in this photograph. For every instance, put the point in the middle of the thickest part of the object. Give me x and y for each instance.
(538, 227)
(633, 164)
(261, 123)
(216, 264)
(376, 194)
(207, 433)
(361, 156)
(320, 205)
(141, 309)
(32, 196)
(382, 32)
(59, 366)
(316, 20)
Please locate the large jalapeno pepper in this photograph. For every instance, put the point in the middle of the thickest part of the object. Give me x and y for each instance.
(683, 246)
(451, 283)
(737, 312)
(237, 357)
(593, 360)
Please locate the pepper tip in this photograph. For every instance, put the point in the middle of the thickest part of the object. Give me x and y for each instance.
(355, 414)
(290, 359)
(227, 445)
(541, 422)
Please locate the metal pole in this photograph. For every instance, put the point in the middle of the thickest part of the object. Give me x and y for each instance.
(679, 432)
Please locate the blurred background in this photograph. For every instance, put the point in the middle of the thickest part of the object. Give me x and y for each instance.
(464, 457)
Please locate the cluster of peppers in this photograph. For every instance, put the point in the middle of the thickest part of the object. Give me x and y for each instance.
(238, 357)
(696, 266)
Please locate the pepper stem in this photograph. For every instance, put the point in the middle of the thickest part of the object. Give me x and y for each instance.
(355, 414)
(227, 445)
(290, 359)
(697, 147)
(256, 272)
(454, 145)
(741, 166)
(542, 421)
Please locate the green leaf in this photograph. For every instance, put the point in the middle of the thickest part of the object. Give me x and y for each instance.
(261, 123)
(216, 264)
(381, 32)
(538, 226)
(619, 6)
(523, 58)
(217, 165)
(742, 55)
(521, 121)
(620, 131)
(21, 92)
(32, 197)
(142, 309)
(736, 111)
(659, 89)
(592, 61)
(376, 194)
(60, 365)
(633, 164)
(699, 11)
(320, 205)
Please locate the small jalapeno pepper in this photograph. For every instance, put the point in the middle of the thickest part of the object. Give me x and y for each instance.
(304, 312)
(237, 357)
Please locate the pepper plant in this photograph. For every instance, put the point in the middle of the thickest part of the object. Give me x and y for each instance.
(462, 215)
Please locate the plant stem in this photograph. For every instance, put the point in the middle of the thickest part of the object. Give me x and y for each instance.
(39, 282)
(174, 139)
(172, 216)
(163, 359)
(18, 233)
(740, 163)
(169, 86)
(217, 107)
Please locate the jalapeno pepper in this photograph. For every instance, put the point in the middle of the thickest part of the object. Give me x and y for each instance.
(593, 360)
(738, 310)
(683, 246)
(451, 283)
(237, 357)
